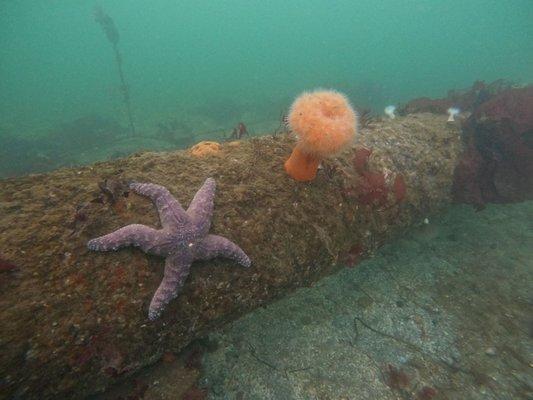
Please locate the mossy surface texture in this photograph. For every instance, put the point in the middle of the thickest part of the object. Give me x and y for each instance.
(75, 321)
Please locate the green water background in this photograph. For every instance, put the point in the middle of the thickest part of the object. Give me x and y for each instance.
(226, 61)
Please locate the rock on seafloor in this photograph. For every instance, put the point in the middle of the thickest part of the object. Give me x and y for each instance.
(442, 313)
(74, 321)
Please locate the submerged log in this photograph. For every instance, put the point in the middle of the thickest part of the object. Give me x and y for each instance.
(75, 321)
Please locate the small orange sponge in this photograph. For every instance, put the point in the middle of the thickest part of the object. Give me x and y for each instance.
(325, 123)
(205, 148)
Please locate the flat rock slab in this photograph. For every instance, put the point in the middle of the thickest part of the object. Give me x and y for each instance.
(443, 313)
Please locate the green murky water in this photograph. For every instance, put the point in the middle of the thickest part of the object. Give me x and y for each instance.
(194, 69)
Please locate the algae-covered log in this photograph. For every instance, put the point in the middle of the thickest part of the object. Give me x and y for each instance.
(75, 321)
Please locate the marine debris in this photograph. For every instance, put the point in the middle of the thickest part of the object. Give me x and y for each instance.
(111, 32)
(325, 123)
(183, 239)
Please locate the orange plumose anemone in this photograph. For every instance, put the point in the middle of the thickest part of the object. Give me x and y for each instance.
(325, 123)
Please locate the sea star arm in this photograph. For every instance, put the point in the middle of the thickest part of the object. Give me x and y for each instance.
(177, 268)
(218, 246)
(141, 236)
(170, 210)
(201, 208)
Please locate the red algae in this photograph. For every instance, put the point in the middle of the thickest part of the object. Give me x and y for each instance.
(195, 393)
(466, 185)
(354, 255)
(6, 266)
(239, 132)
(497, 166)
(360, 159)
(168, 357)
(466, 99)
(193, 358)
(396, 378)
(426, 393)
(399, 188)
(372, 188)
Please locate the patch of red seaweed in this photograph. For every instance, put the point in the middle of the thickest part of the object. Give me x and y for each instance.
(168, 357)
(372, 188)
(88, 305)
(239, 131)
(399, 188)
(6, 266)
(112, 360)
(195, 393)
(466, 99)
(138, 391)
(194, 356)
(83, 356)
(353, 256)
(426, 393)
(396, 378)
(119, 278)
(497, 166)
(360, 159)
(466, 182)
(101, 350)
(120, 305)
(78, 279)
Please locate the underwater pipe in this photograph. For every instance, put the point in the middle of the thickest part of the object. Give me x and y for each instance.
(110, 29)
(76, 321)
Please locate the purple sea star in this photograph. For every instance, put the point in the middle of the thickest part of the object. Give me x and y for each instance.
(184, 238)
